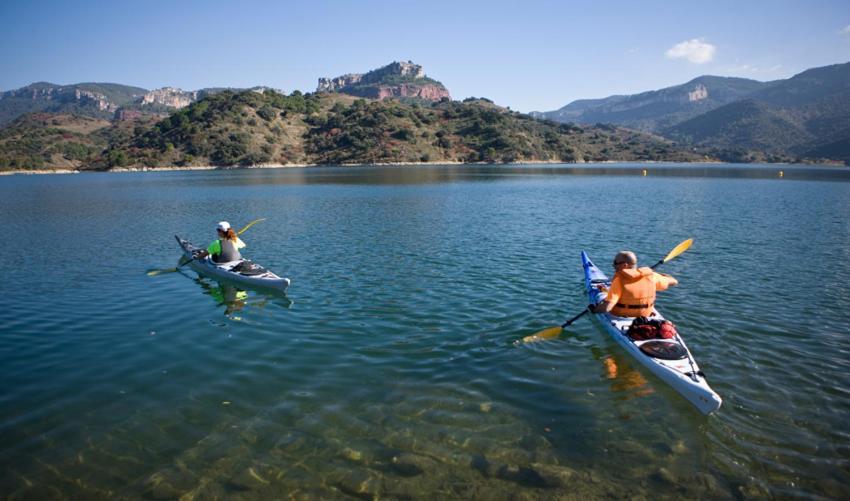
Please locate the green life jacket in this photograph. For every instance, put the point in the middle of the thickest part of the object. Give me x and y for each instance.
(224, 251)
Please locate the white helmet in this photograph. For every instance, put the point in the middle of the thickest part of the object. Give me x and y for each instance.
(223, 226)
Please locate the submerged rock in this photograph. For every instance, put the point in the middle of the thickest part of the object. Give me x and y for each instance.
(664, 475)
(352, 455)
(251, 478)
(522, 475)
(409, 464)
(359, 484)
(480, 463)
(169, 484)
(707, 482)
(554, 475)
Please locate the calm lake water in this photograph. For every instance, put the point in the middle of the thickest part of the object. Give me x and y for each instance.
(390, 368)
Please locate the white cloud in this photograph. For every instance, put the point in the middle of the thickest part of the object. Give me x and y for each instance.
(846, 30)
(697, 51)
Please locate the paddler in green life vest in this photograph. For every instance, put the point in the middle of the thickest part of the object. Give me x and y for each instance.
(632, 291)
(226, 248)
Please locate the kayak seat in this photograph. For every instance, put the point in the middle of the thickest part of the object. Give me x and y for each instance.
(665, 350)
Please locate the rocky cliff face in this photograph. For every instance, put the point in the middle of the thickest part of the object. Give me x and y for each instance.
(64, 94)
(169, 96)
(98, 100)
(397, 79)
(338, 83)
(428, 92)
(699, 93)
(93, 98)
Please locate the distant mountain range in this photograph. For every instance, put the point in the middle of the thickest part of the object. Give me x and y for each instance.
(389, 115)
(397, 114)
(96, 100)
(803, 117)
(108, 100)
(657, 110)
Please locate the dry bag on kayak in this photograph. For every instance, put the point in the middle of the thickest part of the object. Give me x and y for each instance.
(643, 328)
(667, 330)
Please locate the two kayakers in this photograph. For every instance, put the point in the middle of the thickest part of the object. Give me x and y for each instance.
(632, 291)
(226, 247)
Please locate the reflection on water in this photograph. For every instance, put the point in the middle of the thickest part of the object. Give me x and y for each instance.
(393, 374)
(442, 174)
(625, 378)
(235, 299)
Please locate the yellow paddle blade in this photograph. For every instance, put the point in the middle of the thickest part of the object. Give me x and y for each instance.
(252, 223)
(682, 247)
(154, 273)
(549, 333)
(183, 260)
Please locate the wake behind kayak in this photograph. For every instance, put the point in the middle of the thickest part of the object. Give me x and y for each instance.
(241, 271)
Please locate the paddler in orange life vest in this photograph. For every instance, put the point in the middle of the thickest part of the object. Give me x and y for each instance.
(226, 248)
(632, 292)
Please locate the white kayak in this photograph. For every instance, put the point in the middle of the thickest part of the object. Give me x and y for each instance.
(669, 359)
(241, 271)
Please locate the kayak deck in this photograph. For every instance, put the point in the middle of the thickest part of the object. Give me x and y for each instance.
(669, 359)
(242, 271)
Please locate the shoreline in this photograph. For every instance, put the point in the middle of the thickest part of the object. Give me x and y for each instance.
(121, 170)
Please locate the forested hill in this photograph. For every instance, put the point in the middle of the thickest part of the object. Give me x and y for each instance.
(805, 118)
(96, 100)
(253, 128)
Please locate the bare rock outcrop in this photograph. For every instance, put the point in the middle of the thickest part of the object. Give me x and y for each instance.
(699, 93)
(170, 96)
(397, 79)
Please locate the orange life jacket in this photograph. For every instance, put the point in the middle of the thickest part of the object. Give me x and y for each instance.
(638, 293)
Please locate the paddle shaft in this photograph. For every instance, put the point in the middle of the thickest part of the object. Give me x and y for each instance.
(570, 321)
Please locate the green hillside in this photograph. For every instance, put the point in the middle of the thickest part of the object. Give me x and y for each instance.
(61, 141)
(120, 95)
(52, 98)
(656, 110)
(802, 118)
(248, 128)
(40, 141)
(744, 124)
(806, 117)
(252, 128)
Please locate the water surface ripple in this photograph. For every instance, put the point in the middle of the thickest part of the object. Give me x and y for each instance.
(390, 368)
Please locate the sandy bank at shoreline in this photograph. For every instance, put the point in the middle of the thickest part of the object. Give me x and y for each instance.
(248, 167)
(119, 170)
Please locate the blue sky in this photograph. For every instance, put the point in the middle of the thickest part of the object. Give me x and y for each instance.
(529, 55)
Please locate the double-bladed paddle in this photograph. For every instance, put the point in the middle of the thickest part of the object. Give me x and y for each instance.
(184, 260)
(552, 332)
